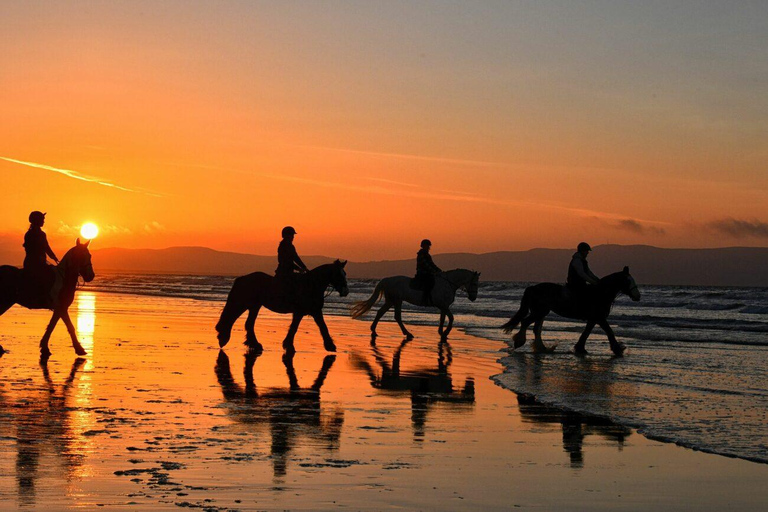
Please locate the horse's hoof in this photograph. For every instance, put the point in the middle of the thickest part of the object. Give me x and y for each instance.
(254, 349)
(408, 336)
(289, 348)
(223, 342)
(81, 351)
(519, 341)
(2, 351)
(374, 335)
(329, 346)
(580, 351)
(619, 349)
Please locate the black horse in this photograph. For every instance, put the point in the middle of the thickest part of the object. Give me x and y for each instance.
(594, 306)
(17, 288)
(258, 289)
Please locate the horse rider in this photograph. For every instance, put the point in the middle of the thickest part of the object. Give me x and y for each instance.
(426, 270)
(288, 261)
(37, 250)
(579, 274)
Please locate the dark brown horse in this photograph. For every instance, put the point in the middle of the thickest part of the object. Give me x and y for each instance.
(258, 289)
(16, 288)
(594, 306)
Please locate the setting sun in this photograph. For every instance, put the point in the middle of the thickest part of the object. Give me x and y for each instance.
(89, 230)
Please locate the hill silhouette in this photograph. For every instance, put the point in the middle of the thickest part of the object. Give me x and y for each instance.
(731, 266)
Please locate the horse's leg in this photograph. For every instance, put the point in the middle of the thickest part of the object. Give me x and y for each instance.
(442, 321)
(618, 348)
(538, 343)
(581, 346)
(44, 351)
(519, 338)
(288, 341)
(448, 328)
(383, 309)
(250, 335)
(399, 320)
(79, 350)
(327, 340)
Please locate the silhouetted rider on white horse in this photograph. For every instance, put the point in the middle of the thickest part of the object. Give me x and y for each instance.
(426, 270)
(37, 271)
(580, 277)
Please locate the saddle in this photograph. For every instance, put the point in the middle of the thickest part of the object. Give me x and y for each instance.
(38, 287)
(417, 284)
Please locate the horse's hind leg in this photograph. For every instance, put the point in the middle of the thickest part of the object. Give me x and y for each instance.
(382, 310)
(519, 337)
(538, 343)
(250, 335)
(79, 350)
(399, 319)
(581, 346)
(449, 326)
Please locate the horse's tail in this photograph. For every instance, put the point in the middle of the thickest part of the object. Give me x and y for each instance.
(521, 313)
(362, 307)
(234, 307)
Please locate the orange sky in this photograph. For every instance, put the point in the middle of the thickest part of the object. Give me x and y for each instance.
(368, 126)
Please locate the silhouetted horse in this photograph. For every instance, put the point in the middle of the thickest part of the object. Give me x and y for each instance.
(397, 289)
(15, 289)
(594, 306)
(258, 289)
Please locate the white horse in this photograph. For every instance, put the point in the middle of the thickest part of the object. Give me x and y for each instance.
(397, 289)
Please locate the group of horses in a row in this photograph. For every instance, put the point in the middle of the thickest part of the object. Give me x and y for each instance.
(256, 290)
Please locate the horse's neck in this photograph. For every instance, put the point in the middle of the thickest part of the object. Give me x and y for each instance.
(320, 276)
(610, 286)
(458, 277)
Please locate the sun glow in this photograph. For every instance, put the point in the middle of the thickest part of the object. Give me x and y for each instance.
(89, 230)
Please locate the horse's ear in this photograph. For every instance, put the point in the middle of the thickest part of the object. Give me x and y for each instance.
(343, 263)
(86, 244)
(626, 270)
(77, 242)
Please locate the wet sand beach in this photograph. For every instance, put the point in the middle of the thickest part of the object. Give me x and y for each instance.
(157, 417)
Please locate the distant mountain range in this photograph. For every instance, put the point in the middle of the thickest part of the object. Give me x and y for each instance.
(732, 266)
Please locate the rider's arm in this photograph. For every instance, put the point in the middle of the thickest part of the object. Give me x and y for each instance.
(48, 249)
(297, 261)
(432, 265)
(578, 265)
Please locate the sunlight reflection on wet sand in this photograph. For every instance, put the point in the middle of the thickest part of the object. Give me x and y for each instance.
(157, 417)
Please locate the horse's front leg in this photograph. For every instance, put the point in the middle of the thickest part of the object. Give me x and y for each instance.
(44, 351)
(581, 346)
(442, 321)
(327, 340)
(617, 348)
(448, 328)
(250, 335)
(399, 319)
(79, 350)
(288, 341)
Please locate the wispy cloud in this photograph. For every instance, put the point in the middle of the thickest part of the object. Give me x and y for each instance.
(406, 156)
(77, 176)
(637, 226)
(739, 228)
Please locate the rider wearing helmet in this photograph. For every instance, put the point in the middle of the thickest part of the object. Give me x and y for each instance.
(426, 271)
(579, 274)
(288, 260)
(36, 244)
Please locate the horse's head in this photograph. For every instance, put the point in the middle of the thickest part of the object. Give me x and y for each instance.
(472, 286)
(629, 287)
(78, 260)
(339, 278)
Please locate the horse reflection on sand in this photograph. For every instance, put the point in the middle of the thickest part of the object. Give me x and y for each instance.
(426, 386)
(293, 415)
(44, 425)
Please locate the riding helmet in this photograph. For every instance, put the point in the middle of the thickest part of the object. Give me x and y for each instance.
(36, 217)
(288, 230)
(583, 247)
(426, 243)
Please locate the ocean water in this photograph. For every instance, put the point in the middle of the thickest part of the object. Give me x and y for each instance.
(695, 373)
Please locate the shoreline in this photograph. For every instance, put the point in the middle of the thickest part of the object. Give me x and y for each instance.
(156, 417)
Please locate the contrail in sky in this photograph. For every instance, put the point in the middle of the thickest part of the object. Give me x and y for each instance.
(76, 175)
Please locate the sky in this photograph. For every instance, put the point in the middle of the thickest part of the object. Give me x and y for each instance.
(368, 126)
